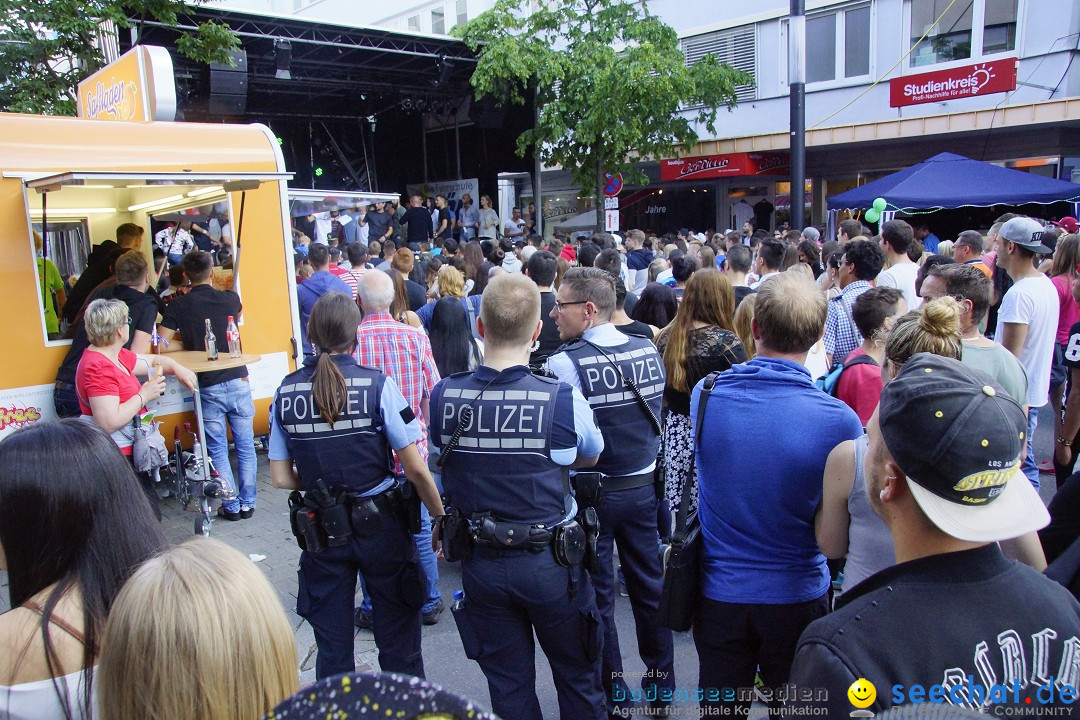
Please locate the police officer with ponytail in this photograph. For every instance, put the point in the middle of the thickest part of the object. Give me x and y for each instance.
(333, 426)
(508, 439)
(622, 377)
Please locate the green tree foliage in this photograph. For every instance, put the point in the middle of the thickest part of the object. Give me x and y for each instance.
(48, 46)
(611, 83)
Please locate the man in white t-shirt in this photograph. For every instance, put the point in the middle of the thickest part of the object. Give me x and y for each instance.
(1028, 317)
(896, 238)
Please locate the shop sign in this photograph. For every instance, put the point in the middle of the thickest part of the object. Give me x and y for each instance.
(715, 166)
(137, 86)
(961, 82)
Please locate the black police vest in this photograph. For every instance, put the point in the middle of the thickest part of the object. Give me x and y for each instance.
(354, 453)
(630, 441)
(502, 463)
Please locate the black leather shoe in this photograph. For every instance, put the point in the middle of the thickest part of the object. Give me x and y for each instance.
(226, 515)
(363, 620)
(431, 617)
(246, 514)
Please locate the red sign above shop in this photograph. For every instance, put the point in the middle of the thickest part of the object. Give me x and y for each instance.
(714, 166)
(967, 81)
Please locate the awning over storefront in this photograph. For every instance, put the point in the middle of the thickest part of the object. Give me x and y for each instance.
(952, 181)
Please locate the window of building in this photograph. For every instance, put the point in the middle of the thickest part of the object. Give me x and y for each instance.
(438, 21)
(736, 47)
(414, 23)
(838, 44)
(462, 12)
(949, 40)
(966, 31)
(999, 26)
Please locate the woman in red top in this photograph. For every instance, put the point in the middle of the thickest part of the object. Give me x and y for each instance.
(859, 386)
(105, 381)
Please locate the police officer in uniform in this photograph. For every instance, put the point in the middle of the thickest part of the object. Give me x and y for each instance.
(338, 422)
(508, 439)
(622, 377)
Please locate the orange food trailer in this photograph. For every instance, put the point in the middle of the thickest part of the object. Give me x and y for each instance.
(78, 179)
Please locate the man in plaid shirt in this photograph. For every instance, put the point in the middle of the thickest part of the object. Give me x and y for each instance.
(404, 353)
(861, 263)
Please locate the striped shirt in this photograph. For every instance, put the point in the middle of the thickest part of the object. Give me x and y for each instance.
(404, 353)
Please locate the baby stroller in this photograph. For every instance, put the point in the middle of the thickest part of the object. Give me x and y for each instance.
(195, 482)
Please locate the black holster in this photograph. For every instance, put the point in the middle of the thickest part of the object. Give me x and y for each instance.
(590, 524)
(588, 489)
(410, 506)
(456, 536)
(296, 506)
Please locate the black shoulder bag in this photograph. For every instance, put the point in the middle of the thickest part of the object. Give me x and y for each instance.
(682, 570)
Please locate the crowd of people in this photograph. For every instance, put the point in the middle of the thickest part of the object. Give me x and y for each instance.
(851, 419)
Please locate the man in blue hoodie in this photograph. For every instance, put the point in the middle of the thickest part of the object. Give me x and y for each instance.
(638, 260)
(763, 577)
(321, 282)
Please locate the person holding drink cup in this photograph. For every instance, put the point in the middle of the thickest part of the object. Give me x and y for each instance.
(106, 385)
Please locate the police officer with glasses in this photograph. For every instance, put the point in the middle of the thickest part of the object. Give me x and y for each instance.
(508, 439)
(622, 377)
(333, 426)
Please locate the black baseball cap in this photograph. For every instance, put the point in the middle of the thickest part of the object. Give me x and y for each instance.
(959, 437)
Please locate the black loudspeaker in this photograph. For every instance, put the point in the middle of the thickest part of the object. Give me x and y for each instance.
(229, 86)
(487, 114)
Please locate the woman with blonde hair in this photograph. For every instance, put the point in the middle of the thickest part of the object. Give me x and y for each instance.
(744, 315)
(700, 340)
(933, 328)
(451, 282)
(161, 658)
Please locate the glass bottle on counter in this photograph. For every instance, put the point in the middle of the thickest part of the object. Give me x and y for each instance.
(211, 342)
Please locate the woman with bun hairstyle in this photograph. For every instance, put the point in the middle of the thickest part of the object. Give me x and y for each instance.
(845, 524)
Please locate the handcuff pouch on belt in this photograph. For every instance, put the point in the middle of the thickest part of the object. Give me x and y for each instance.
(456, 536)
(588, 489)
(492, 533)
(320, 520)
(365, 517)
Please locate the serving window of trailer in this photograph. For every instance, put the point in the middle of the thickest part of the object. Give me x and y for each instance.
(80, 222)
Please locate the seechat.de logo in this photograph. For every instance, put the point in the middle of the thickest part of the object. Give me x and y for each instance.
(862, 694)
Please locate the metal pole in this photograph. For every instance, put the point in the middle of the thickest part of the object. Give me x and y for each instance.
(457, 142)
(423, 147)
(538, 221)
(797, 85)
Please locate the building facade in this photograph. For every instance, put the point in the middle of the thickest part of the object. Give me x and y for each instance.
(888, 83)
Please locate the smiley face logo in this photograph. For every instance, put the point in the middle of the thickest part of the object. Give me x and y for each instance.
(862, 693)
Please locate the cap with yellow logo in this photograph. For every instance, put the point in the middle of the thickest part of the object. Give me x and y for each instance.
(960, 438)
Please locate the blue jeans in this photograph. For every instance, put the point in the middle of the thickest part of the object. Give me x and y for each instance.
(231, 401)
(428, 561)
(1029, 468)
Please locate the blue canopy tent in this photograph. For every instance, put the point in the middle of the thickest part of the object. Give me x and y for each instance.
(948, 181)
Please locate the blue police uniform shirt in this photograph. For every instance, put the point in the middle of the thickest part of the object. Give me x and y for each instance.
(761, 457)
(618, 413)
(510, 459)
(353, 453)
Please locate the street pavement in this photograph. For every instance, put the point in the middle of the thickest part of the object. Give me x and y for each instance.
(267, 540)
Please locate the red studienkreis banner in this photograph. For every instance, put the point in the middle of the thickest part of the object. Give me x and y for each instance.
(967, 81)
(714, 166)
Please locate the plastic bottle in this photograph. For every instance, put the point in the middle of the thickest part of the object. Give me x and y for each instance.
(232, 333)
(459, 600)
(211, 342)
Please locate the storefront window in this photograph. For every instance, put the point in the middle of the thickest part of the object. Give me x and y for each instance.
(462, 12)
(949, 40)
(999, 26)
(438, 21)
(414, 23)
(857, 42)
